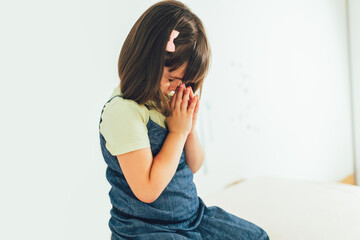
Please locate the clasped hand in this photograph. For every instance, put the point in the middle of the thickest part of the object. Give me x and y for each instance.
(184, 107)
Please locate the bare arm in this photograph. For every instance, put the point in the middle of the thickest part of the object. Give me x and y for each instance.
(166, 162)
(194, 153)
(148, 176)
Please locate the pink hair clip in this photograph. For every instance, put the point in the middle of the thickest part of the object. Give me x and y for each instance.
(170, 46)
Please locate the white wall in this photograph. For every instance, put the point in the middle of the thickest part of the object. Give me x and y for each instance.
(277, 98)
(276, 102)
(354, 30)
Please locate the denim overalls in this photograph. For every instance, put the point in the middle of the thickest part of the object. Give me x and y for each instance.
(178, 213)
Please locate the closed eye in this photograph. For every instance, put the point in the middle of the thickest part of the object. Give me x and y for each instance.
(171, 80)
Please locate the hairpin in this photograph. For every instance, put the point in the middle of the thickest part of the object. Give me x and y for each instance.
(170, 46)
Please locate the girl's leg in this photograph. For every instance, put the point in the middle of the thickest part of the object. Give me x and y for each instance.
(139, 230)
(190, 235)
(219, 224)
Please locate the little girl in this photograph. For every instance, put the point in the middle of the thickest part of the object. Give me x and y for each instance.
(148, 137)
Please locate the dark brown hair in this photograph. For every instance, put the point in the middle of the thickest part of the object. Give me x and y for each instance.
(143, 55)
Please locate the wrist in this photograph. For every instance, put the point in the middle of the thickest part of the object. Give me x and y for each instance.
(179, 135)
(192, 132)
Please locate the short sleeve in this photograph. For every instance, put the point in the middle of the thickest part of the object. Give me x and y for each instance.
(124, 126)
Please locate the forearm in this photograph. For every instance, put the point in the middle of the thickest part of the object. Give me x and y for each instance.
(194, 153)
(166, 162)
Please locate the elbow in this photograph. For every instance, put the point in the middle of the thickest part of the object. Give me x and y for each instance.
(147, 199)
(150, 199)
(148, 196)
(195, 169)
(202, 161)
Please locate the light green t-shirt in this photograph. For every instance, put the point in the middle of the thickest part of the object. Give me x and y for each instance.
(124, 124)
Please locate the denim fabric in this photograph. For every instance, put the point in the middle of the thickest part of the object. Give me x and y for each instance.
(178, 213)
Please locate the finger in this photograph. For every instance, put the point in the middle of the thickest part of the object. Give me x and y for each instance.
(179, 97)
(175, 96)
(185, 100)
(197, 105)
(173, 99)
(192, 105)
(191, 93)
(190, 96)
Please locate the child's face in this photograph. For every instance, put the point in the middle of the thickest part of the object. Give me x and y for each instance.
(170, 80)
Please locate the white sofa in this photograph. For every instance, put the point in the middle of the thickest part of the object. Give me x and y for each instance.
(289, 209)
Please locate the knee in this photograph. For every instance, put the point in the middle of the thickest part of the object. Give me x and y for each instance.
(262, 235)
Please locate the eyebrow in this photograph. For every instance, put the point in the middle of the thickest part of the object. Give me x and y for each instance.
(175, 77)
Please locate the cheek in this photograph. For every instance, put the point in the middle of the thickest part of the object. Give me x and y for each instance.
(164, 85)
(174, 84)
